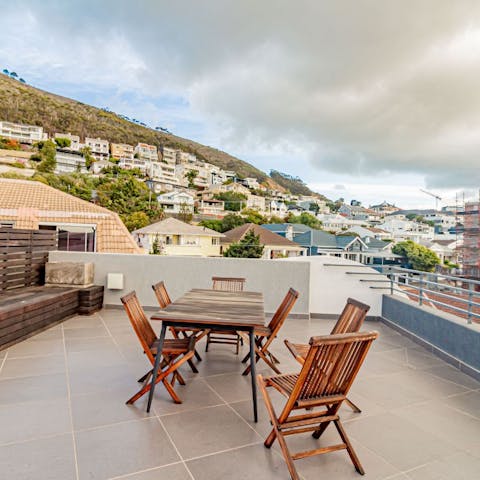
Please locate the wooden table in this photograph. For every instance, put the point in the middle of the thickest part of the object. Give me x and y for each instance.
(214, 310)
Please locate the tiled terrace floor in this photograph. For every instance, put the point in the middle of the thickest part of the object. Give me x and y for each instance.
(63, 416)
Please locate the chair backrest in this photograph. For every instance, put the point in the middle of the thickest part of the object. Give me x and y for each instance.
(162, 295)
(228, 284)
(282, 312)
(140, 323)
(351, 318)
(331, 365)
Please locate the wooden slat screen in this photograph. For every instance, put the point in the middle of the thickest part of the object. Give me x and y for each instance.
(23, 254)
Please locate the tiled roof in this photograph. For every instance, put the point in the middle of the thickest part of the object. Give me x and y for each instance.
(172, 226)
(29, 203)
(266, 236)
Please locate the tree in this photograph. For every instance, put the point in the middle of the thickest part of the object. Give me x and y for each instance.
(216, 225)
(155, 246)
(9, 144)
(418, 256)
(248, 247)
(87, 153)
(45, 156)
(191, 175)
(305, 218)
(252, 216)
(63, 142)
(136, 220)
(5, 71)
(185, 213)
(234, 201)
(14, 74)
(232, 221)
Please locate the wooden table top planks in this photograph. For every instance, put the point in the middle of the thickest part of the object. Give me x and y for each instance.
(216, 307)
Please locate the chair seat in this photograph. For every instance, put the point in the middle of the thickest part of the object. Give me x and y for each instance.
(174, 346)
(283, 383)
(298, 350)
(263, 331)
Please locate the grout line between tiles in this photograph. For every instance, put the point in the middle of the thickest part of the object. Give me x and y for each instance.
(145, 471)
(69, 399)
(3, 361)
(174, 446)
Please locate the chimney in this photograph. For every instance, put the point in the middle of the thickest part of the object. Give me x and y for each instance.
(289, 233)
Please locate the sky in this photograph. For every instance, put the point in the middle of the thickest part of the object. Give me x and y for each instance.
(366, 100)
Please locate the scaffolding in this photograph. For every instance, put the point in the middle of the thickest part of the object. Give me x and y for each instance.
(471, 239)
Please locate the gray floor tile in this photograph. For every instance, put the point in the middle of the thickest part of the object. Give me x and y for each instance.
(85, 344)
(172, 472)
(245, 463)
(399, 440)
(195, 394)
(48, 459)
(32, 389)
(27, 421)
(53, 333)
(93, 321)
(108, 356)
(106, 407)
(122, 449)
(102, 378)
(467, 402)
(209, 430)
(460, 466)
(452, 374)
(445, 422)
(22, 367)
(91, 332)
(29, 348)
(231, 387)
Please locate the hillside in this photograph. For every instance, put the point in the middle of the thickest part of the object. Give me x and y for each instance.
(25, 104)
(294, 185)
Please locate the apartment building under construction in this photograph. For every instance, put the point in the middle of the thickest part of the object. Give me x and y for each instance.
(471, 239)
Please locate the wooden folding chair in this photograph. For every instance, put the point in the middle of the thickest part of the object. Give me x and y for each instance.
(175, 352)
(350, 321)
(163, 299)
(330, 367)
(227, 284)
(264, 337)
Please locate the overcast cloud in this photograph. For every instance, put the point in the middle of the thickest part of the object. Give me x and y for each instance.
(344, 88)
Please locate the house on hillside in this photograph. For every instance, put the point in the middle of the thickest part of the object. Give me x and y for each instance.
(372, 232)
(275, 246)
(69, 161)
(99, 147)
(173, 237)
(22, 133)
(176, 202)
(81, 226)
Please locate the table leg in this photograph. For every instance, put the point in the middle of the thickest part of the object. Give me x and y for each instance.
(253, 374)
(158, 357)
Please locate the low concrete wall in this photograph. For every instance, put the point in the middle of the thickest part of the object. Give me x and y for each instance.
(448, 336)
(181, 274)
(330, 286)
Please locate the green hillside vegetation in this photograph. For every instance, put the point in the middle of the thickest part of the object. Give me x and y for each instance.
(25, 104)
(295, 185)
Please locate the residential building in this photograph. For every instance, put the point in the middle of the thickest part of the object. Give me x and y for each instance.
(176, 202)
(99, 148)
(229, 187)
(406, 229)
(124, 153)
(277, 208)
(275, 246)
(174, 237)
(97, 167)
(185, 158)
(74, 140)
(147, 153)
(446, 249)
(337, 223)
(22, 133)
(471, 239)
(69, 161)
(81, 226)
(211, 206)
(384, 208)
(251, 183)
(256, 202)
(357, 212)
(372, 232)
(167, 164)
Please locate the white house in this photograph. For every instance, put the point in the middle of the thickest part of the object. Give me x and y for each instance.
(176, 202)
(99, 147)
(69, 161)
(22, 133)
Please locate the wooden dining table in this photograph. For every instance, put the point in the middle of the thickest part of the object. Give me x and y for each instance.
(214, 310)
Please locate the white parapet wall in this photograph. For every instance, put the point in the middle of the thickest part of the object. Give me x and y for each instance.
(272, 277)
(330, 286)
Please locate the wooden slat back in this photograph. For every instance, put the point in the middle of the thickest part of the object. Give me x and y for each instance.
(332, 364)
(228, 284)
(162, 295)
(282, 312)
(23, 254)
(140, 323)
(352, 317)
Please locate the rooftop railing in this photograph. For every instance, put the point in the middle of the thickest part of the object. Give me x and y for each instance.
(453, 294)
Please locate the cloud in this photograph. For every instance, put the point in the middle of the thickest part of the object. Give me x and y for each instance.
(373, 89)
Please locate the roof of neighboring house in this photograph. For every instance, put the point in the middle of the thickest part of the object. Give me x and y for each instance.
(172, 226)
(29, 203)
(319, 238)
(267, 237)
(282, 227)
(374, 243)
(376, 230)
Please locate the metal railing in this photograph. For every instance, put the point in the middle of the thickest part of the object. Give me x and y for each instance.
(457, 295)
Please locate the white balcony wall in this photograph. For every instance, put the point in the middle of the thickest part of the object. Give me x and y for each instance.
(181, 274)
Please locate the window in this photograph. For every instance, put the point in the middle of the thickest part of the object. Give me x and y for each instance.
(74, 238)
(215, 241)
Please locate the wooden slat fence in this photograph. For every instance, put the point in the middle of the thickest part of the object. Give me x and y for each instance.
(23, 254)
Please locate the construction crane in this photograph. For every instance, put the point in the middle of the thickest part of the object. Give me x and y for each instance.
(436, 197)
